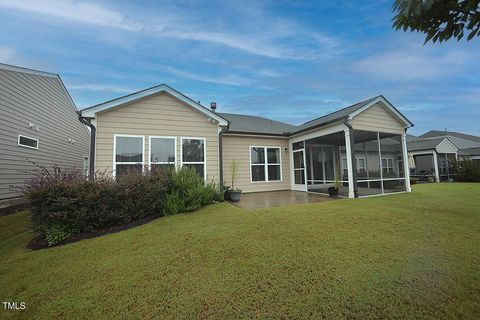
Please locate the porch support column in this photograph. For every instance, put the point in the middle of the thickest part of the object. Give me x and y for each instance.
(348, 148)
(435, 165)
(406, 169)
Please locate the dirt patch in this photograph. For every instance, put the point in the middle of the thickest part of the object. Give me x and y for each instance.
(40, 242)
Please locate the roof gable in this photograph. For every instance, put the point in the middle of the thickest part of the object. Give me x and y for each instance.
(380, 100)
(163, 88)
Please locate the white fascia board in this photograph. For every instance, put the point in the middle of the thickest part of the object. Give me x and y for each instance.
(91, 112)
(407, 123)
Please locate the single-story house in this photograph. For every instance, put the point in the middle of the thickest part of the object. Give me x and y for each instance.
(432, 157)
(361, 148)
(468, 145)
(38, 126)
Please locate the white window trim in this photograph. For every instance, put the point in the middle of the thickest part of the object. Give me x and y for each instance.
(266, 163)
(150, 151)
(25, 146)
(204, 154)
(356, 163)
(114, 171)
(388, 167)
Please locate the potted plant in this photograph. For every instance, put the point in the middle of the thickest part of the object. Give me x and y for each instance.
(333, 190)
(233, 194)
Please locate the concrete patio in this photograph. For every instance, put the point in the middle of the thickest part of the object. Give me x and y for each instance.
(258, 200)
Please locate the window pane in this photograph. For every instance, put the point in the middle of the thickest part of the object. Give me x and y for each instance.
(198, 167)
(297, 145)
(162, 150)
(273, 155)
(123, 169)
(24, 141)
(361, 163)
(273, 172)
(258, 173)
(129, 149)
(298, 160)
(299, 177)
(161, 167)
(192, 150)
(258, 155)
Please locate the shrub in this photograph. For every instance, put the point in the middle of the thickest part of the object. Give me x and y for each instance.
(63, 202)
(467, 170)
(189, 192)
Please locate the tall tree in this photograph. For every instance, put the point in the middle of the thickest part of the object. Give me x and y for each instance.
(438, 19)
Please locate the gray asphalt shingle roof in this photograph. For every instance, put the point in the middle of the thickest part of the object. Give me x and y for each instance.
(469, 152)
(460, 140)
(257, 125)
(424, 144)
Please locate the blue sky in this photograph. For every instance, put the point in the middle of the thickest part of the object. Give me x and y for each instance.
(284, 60)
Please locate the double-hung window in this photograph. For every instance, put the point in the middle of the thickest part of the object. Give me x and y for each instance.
(129, 154)
(193, 155)
(265, 164)
(162, 152)
(387, 165)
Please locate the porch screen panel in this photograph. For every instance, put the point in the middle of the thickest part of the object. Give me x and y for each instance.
(367, 163)
(392, 163)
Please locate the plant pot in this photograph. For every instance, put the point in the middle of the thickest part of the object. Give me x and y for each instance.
(234, 195)
(333, 192)
(226, 195)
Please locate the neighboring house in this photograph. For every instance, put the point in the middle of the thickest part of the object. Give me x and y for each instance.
(468, 145)
(431, 157)
(361, 148)
(38, 124)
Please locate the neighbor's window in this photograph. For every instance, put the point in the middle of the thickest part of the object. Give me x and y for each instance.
(387, 165)
(193, 154)
(27, 142)
(128, 154)
(361, 169)
(265, 164)
(86, 166)
(345, 167)
(162, 152)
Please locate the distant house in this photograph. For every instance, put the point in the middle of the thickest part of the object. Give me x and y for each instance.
(434, 151)
(361, 148)
(38, 124)
(468, 145)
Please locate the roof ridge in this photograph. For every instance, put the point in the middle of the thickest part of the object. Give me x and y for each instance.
(361, 102)
(11, 67)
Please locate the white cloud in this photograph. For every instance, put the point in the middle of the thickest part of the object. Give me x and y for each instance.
(101, 87)
(412, 63)
(265, 41)
(73, 10)
(7, 55)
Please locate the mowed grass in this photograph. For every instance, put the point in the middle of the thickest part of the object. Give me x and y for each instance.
(401, 256)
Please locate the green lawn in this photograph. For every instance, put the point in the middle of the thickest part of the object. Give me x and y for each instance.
(401, 256)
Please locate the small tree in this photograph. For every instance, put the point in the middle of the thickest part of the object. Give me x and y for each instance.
(438, 19)
(234, 171)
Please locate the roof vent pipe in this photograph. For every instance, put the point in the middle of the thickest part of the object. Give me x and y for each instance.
(213, 106)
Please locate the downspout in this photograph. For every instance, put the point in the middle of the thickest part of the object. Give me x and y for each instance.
(220, 153)
(93, 132)
(354, 162)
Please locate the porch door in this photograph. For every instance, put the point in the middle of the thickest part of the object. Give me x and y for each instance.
(299, 174)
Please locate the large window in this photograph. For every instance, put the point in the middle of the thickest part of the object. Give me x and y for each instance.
(193, 155)
(265, 164)
(162, 152)
(360, 166)
(129, 154)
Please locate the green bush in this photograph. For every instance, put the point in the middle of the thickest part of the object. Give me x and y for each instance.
(63, 202)
(467, 170)
(189, 192)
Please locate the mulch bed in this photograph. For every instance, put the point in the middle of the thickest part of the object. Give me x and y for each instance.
(40, 242)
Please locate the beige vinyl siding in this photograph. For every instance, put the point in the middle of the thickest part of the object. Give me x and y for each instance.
(377, 119)
(41, 100)
(238, 148)
(158, 115)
